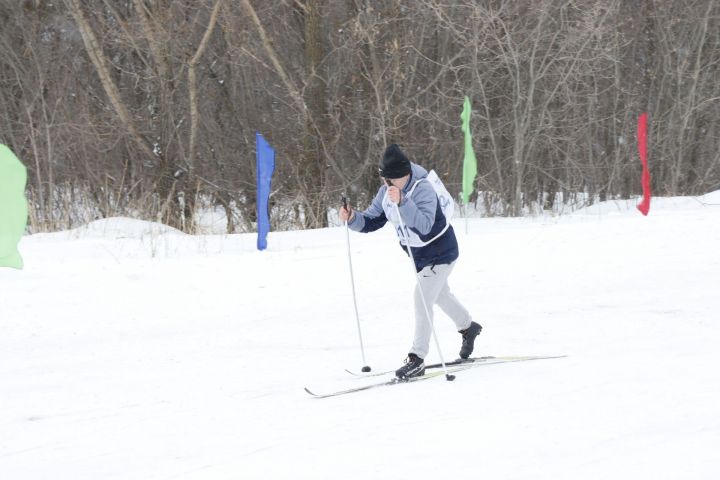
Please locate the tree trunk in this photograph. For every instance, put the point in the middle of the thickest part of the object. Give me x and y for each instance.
(312, 166)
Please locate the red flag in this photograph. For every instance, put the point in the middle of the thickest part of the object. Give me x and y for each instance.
(644, 206)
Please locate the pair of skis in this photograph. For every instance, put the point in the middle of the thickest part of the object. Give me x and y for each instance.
(435, 370)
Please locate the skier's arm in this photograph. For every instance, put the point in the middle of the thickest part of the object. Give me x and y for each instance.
(371, 219)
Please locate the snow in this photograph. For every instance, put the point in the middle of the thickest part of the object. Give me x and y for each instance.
(131, 351)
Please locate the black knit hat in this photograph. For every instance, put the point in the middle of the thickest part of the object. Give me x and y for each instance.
(394, 163)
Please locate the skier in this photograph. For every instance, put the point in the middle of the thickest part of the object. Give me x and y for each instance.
(433, 245)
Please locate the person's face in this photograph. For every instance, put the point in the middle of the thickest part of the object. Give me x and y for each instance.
(398, 182)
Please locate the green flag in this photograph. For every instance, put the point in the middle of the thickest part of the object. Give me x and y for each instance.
(13, 207)
(470, 163)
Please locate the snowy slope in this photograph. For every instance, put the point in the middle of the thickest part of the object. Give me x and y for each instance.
(131, 351)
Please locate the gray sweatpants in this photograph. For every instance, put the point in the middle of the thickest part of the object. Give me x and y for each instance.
(435, 289)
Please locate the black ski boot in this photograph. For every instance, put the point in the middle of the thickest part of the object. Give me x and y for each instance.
(468, 339)
(414, 367)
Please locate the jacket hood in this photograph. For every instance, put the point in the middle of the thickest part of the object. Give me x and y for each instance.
(417, 173)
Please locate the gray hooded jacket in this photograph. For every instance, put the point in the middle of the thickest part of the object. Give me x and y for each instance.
(421, 214)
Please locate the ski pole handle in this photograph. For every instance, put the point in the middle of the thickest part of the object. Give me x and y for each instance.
(345, 207)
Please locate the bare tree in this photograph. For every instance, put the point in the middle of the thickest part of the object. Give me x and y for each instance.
(149, 107)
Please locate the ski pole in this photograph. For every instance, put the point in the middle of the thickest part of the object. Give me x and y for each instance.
(366, 367)
(448, 377)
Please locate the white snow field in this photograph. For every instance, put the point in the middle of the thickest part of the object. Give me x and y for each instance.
(131, 351)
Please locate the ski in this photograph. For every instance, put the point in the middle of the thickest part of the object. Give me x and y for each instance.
(393, 381)
(459, 361)
(453, 367)
(475, 361)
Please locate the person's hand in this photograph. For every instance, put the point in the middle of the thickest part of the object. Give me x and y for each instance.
(346, 213)
(394, 194)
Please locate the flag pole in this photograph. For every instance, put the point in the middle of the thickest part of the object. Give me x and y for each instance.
(466, 219)
(463, 205)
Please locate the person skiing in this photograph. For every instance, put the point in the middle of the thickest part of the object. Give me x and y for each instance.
(433, 245)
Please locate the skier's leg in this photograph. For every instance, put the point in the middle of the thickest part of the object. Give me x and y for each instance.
(432, 280)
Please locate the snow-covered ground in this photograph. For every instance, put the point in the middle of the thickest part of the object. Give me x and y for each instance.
(131, 351)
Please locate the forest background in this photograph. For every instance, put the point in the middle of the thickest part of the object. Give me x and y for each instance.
(149, 108)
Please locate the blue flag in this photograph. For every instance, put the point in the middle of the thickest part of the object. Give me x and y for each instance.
(265, 167)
